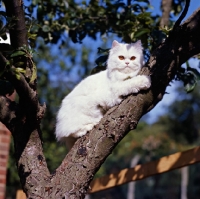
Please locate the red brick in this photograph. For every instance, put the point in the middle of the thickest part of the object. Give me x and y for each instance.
(2, 189)
(4, 131)
(5, 139)
(3, 172)
(3, 156)
(4, 147)
(3, 163)
(5, 136)
(2, 180)
(3, 152)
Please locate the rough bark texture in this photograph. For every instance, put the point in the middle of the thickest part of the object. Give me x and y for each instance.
(166, 7)
(18, 35)
(73, 176)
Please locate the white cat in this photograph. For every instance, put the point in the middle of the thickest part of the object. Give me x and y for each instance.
(91, 98)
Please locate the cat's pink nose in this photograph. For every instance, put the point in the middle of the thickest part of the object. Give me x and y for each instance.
(127, 63)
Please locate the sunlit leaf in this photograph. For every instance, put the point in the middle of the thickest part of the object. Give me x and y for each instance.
(18, 53)
(32, 36)
(141, 32)
(34, 73)
(45, 28)
(102, 51)
(20, 70)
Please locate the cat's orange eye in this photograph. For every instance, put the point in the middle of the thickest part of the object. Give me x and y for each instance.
(133, 58)
(121, 57)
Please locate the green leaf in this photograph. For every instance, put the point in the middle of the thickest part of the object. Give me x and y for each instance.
(19, 64)
(189, 87)
(20, 70)
(190, 81)
(32, 36)
(141, 32)
(34, 74)
(18, 53)
(194, 72)
(46, 28)
(102, 51)
(100, 60)
(17, 76)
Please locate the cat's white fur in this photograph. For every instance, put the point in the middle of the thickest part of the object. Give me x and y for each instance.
(91, 98)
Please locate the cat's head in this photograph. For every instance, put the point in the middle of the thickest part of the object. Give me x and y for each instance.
(126, 58)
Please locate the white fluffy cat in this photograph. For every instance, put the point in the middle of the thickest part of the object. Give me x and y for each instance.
(91, 98)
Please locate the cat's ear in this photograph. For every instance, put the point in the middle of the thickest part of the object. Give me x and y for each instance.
(115, 43)
(138, 44)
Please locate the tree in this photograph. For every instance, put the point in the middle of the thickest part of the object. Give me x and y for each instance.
(71, 179)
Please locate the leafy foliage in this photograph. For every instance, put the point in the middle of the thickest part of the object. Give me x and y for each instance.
(128, 21)
(190, 76)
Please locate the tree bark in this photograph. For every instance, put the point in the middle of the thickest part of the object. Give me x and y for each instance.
(72, 178)
(18, 34)
(166, 7)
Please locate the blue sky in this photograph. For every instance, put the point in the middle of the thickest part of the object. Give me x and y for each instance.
(194, 4)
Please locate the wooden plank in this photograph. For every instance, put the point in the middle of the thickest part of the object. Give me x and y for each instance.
(139, 172)
(20, 195)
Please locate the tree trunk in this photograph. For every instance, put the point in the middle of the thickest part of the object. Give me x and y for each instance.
(166, 9)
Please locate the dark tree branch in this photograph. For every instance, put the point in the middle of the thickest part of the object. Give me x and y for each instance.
(23, 89)
(91, 150)
(183, 14)
(8, 110)
(18, 34)
(24, 122)
(26, 90)
(25, 126)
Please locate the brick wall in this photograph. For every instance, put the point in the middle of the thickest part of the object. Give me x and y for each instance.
(4, 152)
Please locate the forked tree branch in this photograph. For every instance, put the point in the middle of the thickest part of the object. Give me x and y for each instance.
(91, 150)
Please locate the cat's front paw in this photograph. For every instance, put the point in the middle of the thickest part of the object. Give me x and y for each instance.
(145, 82)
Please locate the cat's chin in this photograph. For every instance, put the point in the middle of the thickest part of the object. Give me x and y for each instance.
(128, 70)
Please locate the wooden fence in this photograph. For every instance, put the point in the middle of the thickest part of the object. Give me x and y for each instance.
(164, 164)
